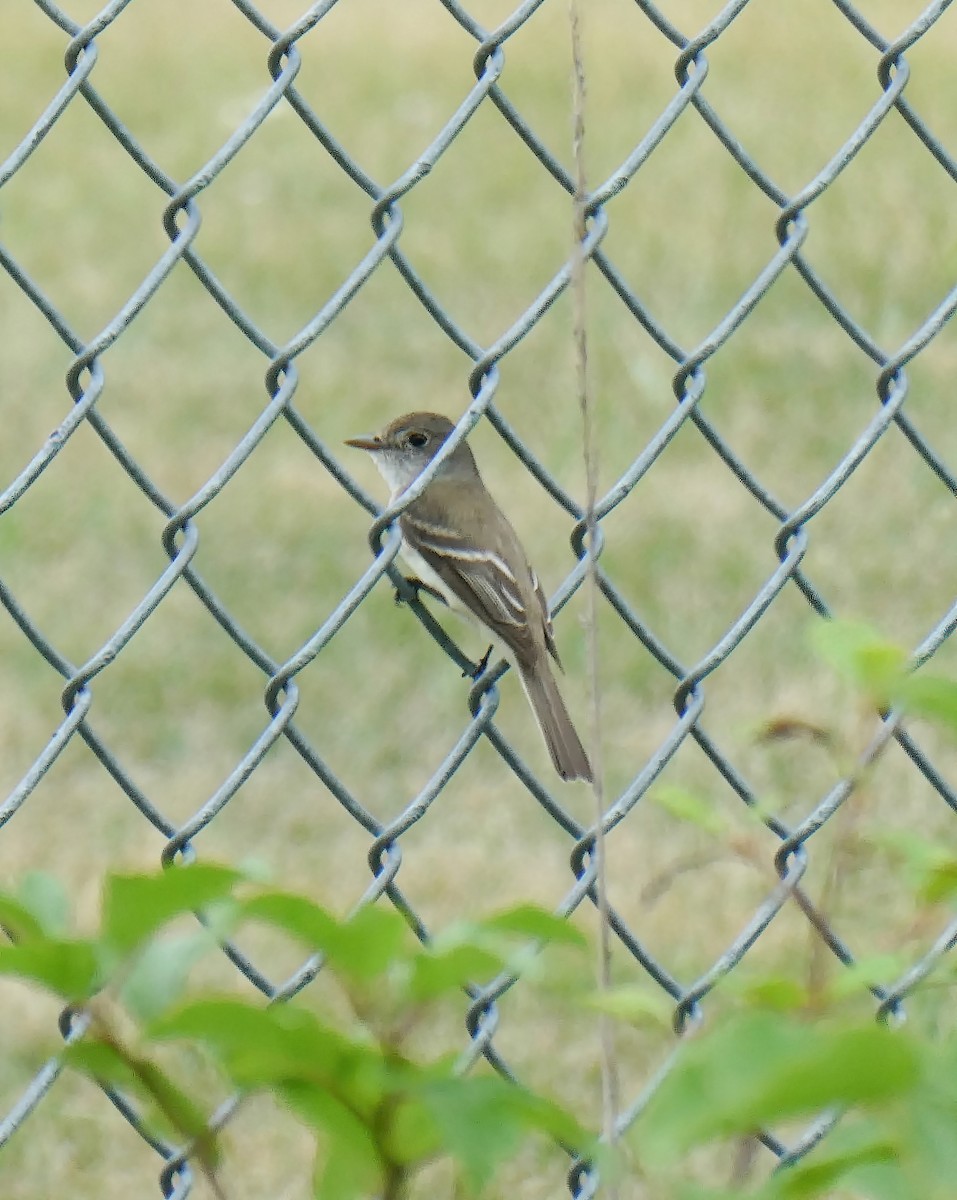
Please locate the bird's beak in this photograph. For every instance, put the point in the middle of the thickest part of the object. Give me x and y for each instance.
(367, 442)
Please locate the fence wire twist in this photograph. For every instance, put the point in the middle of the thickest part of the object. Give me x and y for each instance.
(86, 382)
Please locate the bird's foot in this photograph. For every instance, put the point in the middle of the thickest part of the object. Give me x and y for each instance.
(479, 666)
(417, 586)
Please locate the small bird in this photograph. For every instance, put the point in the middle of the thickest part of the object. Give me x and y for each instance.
(462, 547)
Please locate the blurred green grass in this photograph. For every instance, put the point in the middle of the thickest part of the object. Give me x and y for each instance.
(282, 544)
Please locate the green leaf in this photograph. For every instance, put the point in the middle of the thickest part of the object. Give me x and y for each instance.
(482, 1121)
(940, 882)
(280, 1044)
(542, 1115)
(341, 1174)
(930, 696)
(269, 1043)
(634, 1004)
(363, 946)
(762, 1067)
(471, 951)
(853, 1065)
(295, 914)
(19, 921)
(866, 972)
(774, 992)
(863, 657)
(70, 969)
(823, 1173)
(926, 1129)
(349, 1164)
(477, 1125)
(439, 972)
(688, 807)
(44, 896)
(372, 940)
(161, 972)
(136, 906)
(531, 921)
(412, 1136)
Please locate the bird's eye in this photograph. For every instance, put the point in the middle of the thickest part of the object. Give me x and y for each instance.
(418, 440)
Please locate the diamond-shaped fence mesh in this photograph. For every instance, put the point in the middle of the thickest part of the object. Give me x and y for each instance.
(233, 235)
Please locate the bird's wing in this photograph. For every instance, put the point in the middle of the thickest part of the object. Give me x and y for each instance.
(482, 578)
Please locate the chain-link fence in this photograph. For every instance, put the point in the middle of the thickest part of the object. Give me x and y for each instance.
(771, 264)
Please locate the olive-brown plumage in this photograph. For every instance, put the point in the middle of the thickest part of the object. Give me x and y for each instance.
(460, 543)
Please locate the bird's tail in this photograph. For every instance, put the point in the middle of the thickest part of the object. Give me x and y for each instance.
(563, 742)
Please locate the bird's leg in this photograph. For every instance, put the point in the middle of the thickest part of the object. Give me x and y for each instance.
(480, 665)
(418, 585)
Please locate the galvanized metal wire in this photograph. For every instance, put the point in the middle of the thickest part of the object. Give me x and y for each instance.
(86, 384)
